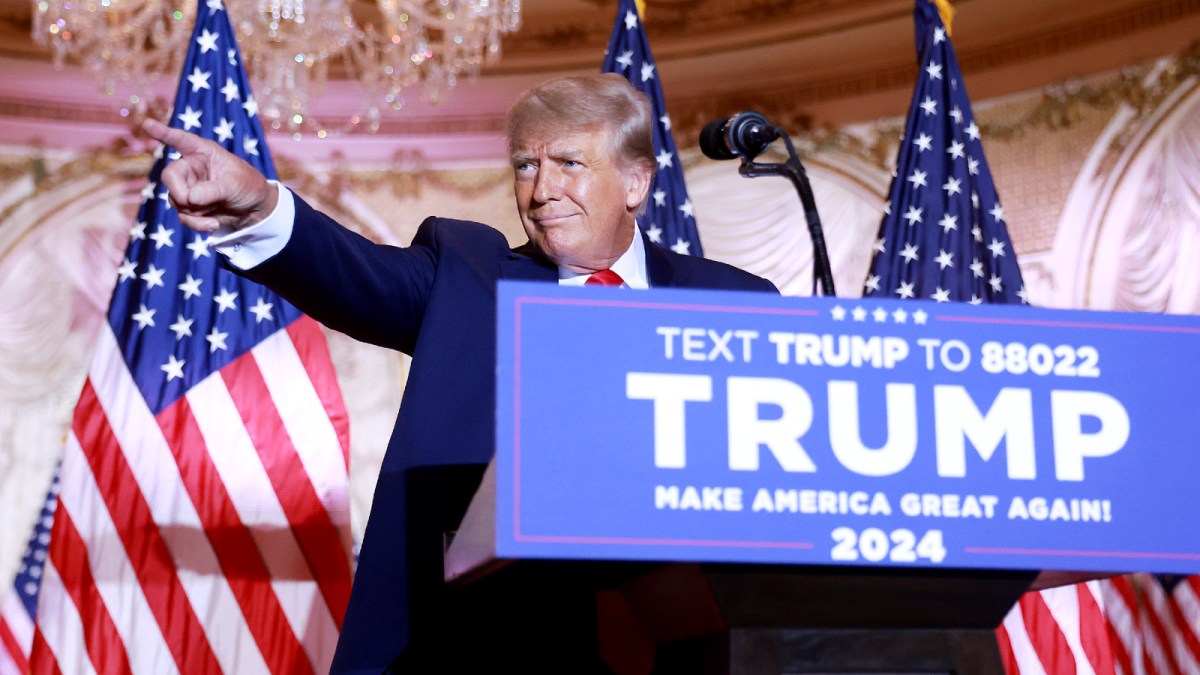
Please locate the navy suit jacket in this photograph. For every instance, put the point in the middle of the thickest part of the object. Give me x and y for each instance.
(436, 301)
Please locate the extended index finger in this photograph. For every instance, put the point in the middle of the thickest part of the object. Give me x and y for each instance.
(179, 139)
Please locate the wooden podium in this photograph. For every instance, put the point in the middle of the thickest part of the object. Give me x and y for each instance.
(740, 619)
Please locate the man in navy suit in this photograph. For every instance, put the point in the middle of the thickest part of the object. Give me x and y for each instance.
(582, 156)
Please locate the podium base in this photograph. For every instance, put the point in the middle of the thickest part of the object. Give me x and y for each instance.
(757, 651)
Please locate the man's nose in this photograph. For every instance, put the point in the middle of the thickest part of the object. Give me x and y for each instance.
(549, 184)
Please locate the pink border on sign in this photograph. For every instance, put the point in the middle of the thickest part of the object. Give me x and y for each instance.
(985, 550)
(954, 318)
(631, 304)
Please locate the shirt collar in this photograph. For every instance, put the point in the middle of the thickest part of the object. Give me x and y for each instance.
(631, 266)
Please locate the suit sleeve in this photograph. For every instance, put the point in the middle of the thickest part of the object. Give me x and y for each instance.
(373, 293)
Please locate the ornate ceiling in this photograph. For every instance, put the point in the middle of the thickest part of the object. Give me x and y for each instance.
(806, 63)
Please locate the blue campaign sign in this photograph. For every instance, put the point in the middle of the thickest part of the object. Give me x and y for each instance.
(743, 427)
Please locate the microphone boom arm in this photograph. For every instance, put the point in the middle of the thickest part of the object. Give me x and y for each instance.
(793, 170)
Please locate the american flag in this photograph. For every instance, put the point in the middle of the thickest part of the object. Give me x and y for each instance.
(203, 518)
(668, 219)
(20, 605)
(943, 235)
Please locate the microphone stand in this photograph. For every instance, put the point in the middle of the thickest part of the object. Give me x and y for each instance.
(794, 171)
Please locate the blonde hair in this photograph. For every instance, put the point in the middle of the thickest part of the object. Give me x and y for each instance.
(568, 105)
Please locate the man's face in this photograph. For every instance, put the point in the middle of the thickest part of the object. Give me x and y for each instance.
(576, 201)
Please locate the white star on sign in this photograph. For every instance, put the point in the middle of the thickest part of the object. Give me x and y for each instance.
(190, 118)
(173, 368)
(900, 316)
(207, 41)
(905, 291)
(941, 294)
(681, 246)
(144, 316)
(859, 314)
(162, 237)
(924, 142)
(919, 316)
(996, 247)
(153, 277)
(198, 247)
(918, 178)
(686, 208)
(631, 20)
(665, 159)
(944, 259)
(929, 106)
(224, 130)
(230, 90)
(880, 315)
(127, 270)
(262, 311)
(838, 313)
(191, 287)
(660, 197)
(913, 215)
(655, 234)
(225, 300)
(948, 222)
(216, 340)
(626, 59)
(910, 252)
(647, 71)
(934, 70)
(199, 79)
(182, 327)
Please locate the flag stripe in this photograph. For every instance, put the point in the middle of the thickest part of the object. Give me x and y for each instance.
(1160, 627)
(1184, 642)
(1024, 654)
(1120, 609)
(239, 557)
(310, 345)
(151, 463)
(1093, 632)
(1045, 636)
(62, 641)
(103, 642)
(144, 545)
(1186, 597)
(12, 656)
(310, 522)
(241, 469)
(307, 425)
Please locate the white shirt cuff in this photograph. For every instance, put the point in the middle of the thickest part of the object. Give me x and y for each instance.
(251, 246)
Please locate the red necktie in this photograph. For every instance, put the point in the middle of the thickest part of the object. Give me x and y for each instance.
(604, 278)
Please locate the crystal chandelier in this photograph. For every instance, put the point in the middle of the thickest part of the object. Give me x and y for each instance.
(289, 48)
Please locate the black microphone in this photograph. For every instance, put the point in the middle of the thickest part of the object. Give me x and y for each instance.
(744, 134)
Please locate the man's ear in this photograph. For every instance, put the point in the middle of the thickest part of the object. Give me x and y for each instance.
(637, 186)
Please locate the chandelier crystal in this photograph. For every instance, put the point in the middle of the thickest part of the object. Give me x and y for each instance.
(289, 47)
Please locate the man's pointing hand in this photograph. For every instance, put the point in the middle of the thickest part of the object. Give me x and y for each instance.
(209, 186)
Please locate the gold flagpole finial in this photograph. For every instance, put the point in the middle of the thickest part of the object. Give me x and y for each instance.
(641, 8)
(947, 12)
